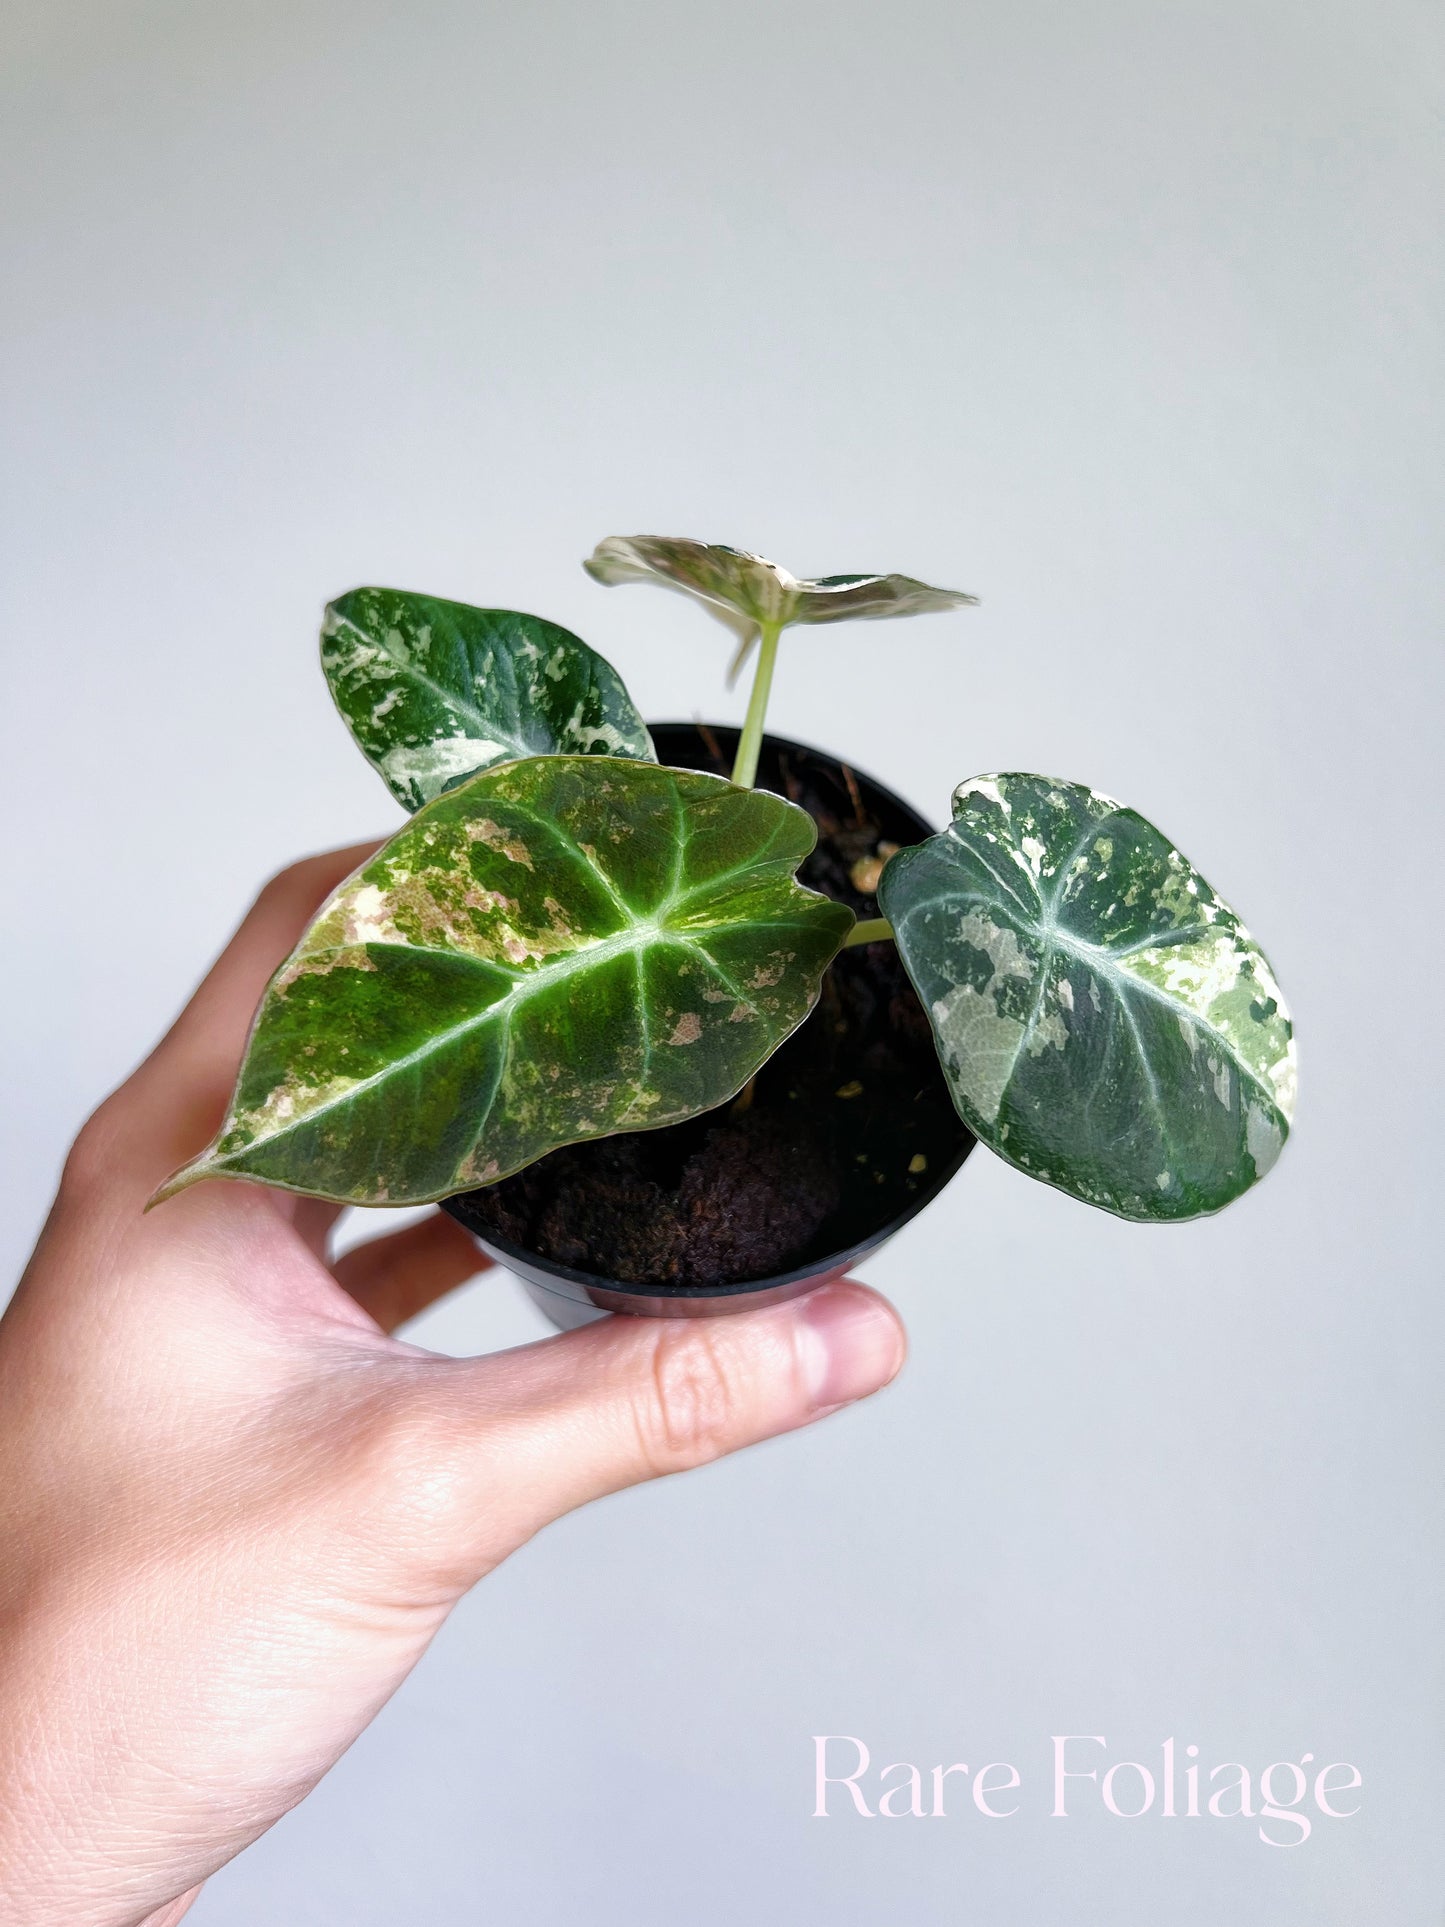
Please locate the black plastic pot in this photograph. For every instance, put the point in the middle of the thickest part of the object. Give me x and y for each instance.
(571, 1297)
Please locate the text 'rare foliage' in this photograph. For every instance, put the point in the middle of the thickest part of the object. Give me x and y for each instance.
(1105, 1021)
(434, 691)
(558, 949)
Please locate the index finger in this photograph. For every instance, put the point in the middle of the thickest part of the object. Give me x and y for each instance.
(175, 1100)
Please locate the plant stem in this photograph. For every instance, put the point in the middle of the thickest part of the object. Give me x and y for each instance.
(871, 930)
(745, 769)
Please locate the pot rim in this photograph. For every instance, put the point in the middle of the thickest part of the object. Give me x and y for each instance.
(726, 731)
(830, 1265)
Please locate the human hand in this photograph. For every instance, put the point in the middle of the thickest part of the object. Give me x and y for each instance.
(234, 1510)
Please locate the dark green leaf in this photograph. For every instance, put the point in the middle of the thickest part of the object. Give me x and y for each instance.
(435, 691)
(559, 949)
(1106, 1022)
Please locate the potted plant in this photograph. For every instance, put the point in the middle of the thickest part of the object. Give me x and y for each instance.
(683, 1020)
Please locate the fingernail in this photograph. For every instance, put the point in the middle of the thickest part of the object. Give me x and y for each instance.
(851, 1345)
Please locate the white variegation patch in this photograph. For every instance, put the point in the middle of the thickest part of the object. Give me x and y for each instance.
(984, 786)
(595, 739)
(1263, 1138)
(998, 943)
(1031, 849)
(368, 916)
(978, 1046)
(429, 767)
(1048, 1031)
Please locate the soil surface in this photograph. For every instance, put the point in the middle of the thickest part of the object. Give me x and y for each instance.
(835, 1136)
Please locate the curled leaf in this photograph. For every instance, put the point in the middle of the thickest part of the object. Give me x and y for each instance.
(434, 691)
(1106, 1022)
(748, 592)
(561, 948)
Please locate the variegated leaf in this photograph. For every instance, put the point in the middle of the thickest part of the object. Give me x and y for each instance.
(747, 591)
(434, 691)
(559, 949)
(1105, 1020)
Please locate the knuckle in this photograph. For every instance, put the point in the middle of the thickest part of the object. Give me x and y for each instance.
(409, 1466)
(688, 1414)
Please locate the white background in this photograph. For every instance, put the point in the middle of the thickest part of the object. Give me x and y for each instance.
(1124, 316)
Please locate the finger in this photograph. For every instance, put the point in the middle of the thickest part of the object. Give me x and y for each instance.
(175, 1910)
(172, 1105)
(313, 1220)
(543, 1429)
(395, 1277)
(210, 1032)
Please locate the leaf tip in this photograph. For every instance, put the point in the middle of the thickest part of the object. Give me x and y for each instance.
(603, 563)
(182, 1180)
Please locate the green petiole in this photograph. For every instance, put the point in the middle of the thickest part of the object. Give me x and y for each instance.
(745, 768)
(871, 930)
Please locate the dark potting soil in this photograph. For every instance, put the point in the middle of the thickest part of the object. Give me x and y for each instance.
(834, 1137)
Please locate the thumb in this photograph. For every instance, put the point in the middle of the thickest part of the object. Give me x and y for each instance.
(552, 1425)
